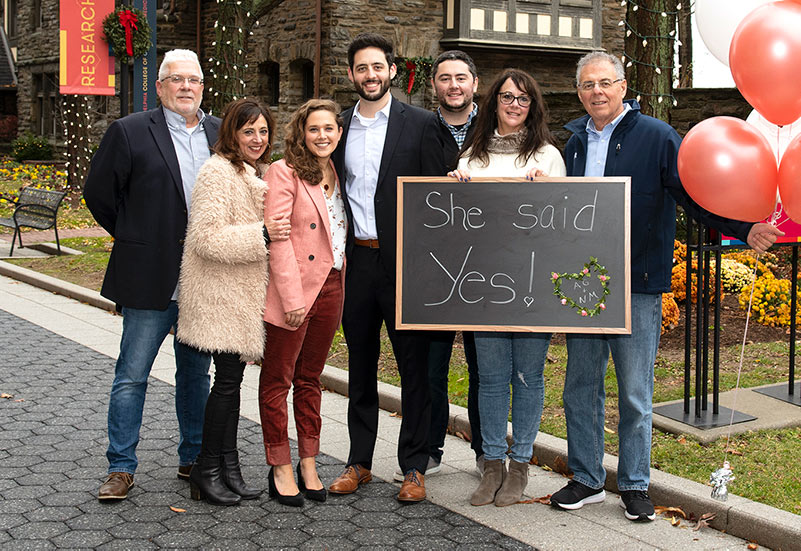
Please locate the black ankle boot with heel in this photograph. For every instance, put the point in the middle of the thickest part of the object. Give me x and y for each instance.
(206, 482)
(314, 495)
(232, 477)
(293, 501)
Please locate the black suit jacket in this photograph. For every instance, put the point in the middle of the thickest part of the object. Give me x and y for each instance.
(413, 147)
(134, 190)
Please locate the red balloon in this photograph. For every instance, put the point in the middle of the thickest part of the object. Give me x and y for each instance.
(790, 179)
(764, 59)
(728, 168)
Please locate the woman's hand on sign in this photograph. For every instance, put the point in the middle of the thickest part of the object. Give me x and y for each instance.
(536, 173)
(460, 174)
(295, 317)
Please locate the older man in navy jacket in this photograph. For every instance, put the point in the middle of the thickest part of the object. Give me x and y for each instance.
(139, 188)
(615, 139)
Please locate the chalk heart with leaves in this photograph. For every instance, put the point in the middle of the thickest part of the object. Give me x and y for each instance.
(580, 285)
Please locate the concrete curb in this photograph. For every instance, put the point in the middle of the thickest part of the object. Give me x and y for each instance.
(770, 527)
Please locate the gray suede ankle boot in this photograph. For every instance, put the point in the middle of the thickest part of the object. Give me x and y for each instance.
(513, 485)
(491, 481)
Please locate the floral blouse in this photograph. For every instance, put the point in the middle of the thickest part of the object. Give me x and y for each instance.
(338, 224)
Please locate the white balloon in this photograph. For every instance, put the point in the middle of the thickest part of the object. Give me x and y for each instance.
(718, 19)
(779, 137)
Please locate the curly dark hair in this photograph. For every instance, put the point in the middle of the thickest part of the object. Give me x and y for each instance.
(536, 123)
(296, 154)
(236, 115)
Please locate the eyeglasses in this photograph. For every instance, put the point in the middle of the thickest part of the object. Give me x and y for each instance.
(508, 98)
(180, 79)
(604, 84)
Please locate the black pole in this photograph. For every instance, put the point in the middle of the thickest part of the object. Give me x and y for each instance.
(716, 336)
(699, 321)
(688, 314)
(793, 310)
(705, 310)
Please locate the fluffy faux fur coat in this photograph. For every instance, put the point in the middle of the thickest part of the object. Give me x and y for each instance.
(223, 282)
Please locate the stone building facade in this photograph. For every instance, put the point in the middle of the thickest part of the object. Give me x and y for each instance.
(282, 50)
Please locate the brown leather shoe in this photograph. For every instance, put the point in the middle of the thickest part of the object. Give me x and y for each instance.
(115, 487)
(183, 472)
(349, 481)
(413, 488)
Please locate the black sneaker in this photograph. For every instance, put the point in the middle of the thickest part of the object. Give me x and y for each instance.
(638, 505)
(576, 495)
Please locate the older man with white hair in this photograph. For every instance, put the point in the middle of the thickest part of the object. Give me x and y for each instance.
(139, 189)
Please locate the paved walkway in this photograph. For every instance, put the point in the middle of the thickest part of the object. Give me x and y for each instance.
(58, 360)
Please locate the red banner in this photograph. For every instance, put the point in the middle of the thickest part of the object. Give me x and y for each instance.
(86, 66)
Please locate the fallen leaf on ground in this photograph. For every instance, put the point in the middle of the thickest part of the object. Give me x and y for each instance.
(535, 460)
(177, 509)
(20, 400)
(545, 500)
(753, 546)
(394, 414)
(6, 396)
(674, 521)
(608, 430)
(733, 451)
(661, 509)
(546, 468)
(560, 465)
(682, 440)
(462, 435)
(705, 519)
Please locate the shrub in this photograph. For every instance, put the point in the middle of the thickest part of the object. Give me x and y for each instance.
(734, 276)
(670, 312)
(679, 287)
(679, 251)
(765, 265)
(771, 304)
(28, 146)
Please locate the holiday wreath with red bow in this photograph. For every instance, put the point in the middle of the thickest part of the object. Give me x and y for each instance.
(128, 33)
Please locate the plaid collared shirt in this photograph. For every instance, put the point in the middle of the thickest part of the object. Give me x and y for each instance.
(459, 134)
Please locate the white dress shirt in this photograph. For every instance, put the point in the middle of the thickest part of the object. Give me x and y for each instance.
(363, 152)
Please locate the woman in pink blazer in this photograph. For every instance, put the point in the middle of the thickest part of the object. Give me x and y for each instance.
(304, 297)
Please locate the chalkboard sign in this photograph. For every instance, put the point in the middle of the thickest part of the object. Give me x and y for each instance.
(506, 254)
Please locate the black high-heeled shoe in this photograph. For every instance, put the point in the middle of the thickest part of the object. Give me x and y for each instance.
(293, 501)
(315, 495)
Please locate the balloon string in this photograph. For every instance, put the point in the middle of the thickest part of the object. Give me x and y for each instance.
(742, 354)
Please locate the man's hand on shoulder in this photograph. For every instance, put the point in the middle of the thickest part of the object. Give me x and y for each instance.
(762, 236)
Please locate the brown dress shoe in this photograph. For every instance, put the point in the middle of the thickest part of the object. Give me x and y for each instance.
(183, 472)
(349, 481)
(115, 487)
(413, 488)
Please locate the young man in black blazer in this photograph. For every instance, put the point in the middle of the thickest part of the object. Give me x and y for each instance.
(139, 188)
(383, 139)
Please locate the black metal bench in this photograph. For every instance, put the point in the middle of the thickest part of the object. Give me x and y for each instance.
(35, 208)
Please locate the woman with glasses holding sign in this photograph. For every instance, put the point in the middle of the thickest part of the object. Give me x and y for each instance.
(511, 139)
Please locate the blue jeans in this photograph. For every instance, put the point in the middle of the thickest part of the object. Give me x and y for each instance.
(515, 359)
(143, 331)
(439, 363)
(584, 395)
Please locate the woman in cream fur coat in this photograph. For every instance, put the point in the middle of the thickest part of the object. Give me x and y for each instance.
(223, 284)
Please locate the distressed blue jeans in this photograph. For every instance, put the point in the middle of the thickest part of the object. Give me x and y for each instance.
(584, 396)
(510, 362)
(143, 331)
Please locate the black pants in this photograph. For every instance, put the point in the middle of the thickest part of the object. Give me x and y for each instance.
(369, 301)
(221, 421)
(439, 362)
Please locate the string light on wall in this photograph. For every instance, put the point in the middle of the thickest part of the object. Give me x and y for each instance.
(75, 109)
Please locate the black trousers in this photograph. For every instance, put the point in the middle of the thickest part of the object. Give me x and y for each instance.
(369, 301)
(221, 421)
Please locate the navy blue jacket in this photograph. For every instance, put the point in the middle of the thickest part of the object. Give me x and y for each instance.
(646, 149)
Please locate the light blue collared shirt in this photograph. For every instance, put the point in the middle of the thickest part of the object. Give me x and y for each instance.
(192, 150)
(598, 144)
(363, 152)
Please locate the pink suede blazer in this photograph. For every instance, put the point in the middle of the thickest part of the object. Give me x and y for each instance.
(299, 265)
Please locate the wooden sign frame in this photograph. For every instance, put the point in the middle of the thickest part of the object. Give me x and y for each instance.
(564, 324)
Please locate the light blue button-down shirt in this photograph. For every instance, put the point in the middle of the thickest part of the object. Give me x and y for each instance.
(363, 152)
(598, 144)
(192, 150)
